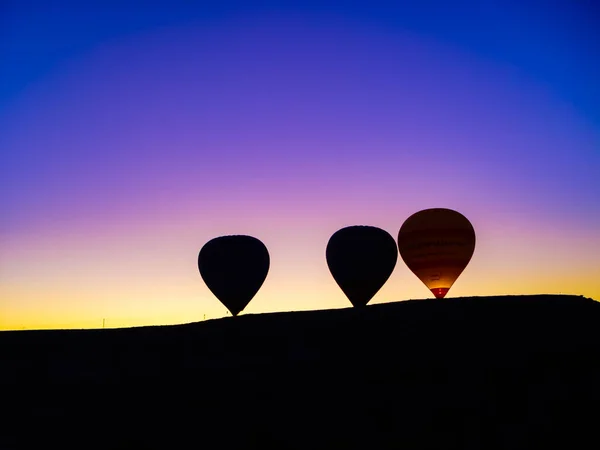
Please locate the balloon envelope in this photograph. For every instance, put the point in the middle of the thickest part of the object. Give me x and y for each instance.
(437, 244)
(361, 259)
(234, 268)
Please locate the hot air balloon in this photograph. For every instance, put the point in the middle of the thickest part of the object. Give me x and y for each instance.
(437, 244)
(361, 259)
(234, 268)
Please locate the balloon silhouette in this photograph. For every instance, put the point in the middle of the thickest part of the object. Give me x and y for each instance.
(437, 244)
(361, 259)
(234, 268)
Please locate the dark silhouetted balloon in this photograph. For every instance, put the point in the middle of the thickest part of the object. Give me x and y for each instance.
(234, 268)
(361, 259)
(437, 244)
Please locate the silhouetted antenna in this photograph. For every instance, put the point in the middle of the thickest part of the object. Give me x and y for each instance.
(103, 321)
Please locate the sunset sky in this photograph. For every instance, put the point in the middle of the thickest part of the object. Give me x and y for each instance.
(131, 135)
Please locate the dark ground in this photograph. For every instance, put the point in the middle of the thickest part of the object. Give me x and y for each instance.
(517, 372)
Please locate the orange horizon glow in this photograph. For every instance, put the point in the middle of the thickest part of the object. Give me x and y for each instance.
(120, 281)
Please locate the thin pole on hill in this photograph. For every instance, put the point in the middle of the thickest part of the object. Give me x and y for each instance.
(103, 320)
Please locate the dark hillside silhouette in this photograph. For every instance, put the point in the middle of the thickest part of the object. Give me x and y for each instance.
(515, 372)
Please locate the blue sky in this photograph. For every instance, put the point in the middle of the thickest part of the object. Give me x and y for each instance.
(555, 42)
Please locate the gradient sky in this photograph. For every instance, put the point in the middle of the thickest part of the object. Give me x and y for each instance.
(130, 136)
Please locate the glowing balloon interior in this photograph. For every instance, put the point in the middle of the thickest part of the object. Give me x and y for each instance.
(361, 259)
(234, 268)
(437, 244)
